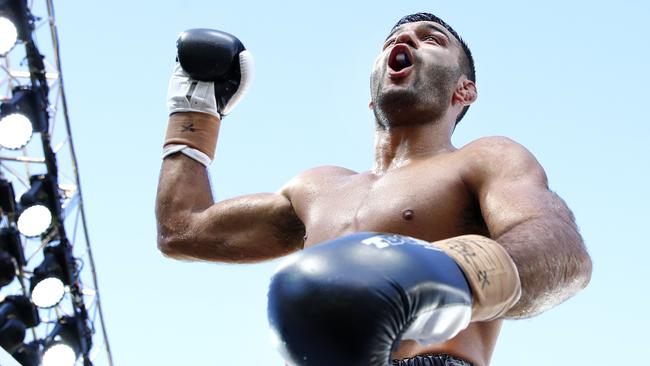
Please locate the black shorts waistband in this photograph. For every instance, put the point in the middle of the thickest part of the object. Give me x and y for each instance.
(432, 360)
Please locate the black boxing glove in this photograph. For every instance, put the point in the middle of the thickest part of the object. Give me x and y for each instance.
(348, 302)
(212, 73)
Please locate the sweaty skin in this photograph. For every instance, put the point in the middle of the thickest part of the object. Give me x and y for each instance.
(420, 186)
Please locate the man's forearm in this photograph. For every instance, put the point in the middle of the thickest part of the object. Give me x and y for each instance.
(552, 261)
(183, 187)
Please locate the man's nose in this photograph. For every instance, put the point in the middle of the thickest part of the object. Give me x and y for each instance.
(407, 37)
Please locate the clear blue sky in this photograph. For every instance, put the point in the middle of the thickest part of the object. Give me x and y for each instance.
(567, 79)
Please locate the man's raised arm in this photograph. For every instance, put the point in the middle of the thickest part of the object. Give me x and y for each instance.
(211, 76)
(532, 223)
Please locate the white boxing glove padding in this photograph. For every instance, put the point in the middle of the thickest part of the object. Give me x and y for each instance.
(246, 67)
(185, 94)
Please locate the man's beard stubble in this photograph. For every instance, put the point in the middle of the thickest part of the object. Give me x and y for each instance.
(423, 102)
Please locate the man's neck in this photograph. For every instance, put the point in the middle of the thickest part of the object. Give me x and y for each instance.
(398, 146)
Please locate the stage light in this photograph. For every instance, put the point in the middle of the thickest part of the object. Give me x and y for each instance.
(16, 22)
(34, 220)
(17, 314)
(37, 205)
(15, 131)
(48, 282)
(62, 346)
(11, 254)
(23, 114)
(8, 35)
(48, 292)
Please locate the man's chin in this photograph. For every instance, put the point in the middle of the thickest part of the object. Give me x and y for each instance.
(397, 110)
(403, 107)
(397, 98)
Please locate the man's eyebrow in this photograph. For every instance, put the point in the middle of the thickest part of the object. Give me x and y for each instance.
(431, 26)
(439, 29)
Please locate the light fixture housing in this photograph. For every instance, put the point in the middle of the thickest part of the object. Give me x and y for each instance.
(11, 254)
(25, 113)
(47, 285)
(7, 269)
(7, 198)
(18, 23)
(38, 206)
(16, 314)
(12, 333)
(28, 354)
(10, 243)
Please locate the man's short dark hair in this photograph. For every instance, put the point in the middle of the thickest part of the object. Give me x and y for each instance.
(466, 61)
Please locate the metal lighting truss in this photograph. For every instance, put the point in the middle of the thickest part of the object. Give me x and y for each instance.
(53, 150)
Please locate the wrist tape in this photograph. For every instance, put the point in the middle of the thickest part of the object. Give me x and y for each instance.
(490, 271)
(196, 131)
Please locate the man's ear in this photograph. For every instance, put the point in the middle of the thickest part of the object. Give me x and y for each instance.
(465, 93)
(371, 105)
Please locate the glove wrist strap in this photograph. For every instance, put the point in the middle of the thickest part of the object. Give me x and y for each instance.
(490, 272)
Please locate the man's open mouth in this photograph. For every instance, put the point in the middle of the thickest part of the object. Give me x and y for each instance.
(400, 58)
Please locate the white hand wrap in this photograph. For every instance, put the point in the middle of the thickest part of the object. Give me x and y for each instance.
(188, 151)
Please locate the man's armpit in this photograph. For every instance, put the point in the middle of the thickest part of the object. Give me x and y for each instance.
(289, 229)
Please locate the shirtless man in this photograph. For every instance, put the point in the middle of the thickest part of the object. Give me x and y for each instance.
(490, 193)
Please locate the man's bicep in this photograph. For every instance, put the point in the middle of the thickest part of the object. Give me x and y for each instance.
(508, 204)
(512, 188)
(244, 229)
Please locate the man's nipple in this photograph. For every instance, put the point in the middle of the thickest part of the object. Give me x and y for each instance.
(408, 215)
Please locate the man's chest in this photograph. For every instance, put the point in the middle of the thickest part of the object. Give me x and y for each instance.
(426, 204)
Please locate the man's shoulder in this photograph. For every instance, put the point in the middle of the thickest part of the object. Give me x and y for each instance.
(495, 149)
(498, 156)
(323, 172)
(316, 176)
(491, 145)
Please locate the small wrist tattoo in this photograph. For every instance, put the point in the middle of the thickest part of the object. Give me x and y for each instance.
(188, 127)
